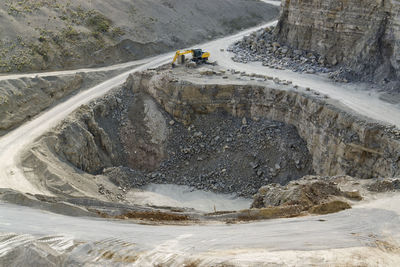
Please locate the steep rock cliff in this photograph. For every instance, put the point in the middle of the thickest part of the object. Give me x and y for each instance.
(364, 35)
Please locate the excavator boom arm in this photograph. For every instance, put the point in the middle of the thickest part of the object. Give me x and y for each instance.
(179, 53)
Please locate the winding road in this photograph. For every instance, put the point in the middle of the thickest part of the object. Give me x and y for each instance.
(280, 241)
(315, 240)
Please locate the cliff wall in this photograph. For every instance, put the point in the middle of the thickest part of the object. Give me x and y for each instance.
(363, 34)
(339, 142)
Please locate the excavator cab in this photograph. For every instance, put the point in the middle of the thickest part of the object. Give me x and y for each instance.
(199, 56)
(197, 53)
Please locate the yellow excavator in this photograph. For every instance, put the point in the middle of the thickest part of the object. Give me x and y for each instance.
(199, 56)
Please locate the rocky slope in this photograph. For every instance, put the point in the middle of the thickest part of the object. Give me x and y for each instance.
(364, 35)
(60, 34)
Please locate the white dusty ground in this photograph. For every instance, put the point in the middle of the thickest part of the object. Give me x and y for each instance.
(186, 197)
(354, 237)
(368, 234)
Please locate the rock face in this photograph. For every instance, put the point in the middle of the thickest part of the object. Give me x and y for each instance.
(84, 144)
(116, 130)
(364, 35)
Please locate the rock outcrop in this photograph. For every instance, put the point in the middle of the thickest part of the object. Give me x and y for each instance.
(364, 35)
(310, 193)
(320, 195)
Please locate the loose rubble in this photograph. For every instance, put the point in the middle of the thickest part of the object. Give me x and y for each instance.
(263, 46)
(318, 194)
(306, 193)
(218, 150)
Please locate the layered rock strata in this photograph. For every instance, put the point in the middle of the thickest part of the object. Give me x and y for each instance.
(364, 35)
(339, 142)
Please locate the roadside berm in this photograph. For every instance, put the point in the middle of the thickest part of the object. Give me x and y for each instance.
(293, 151)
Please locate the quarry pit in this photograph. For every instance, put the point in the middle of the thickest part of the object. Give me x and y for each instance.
(277, 149)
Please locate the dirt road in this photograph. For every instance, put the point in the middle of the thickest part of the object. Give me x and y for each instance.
(346, 238)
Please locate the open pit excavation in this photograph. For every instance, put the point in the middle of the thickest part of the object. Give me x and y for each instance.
(228, 163)
(119, 156)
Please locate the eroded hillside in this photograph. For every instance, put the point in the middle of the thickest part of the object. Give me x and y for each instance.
(60, 34)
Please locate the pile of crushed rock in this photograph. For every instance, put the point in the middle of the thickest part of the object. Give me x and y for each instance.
(262, 46)
(225, 154)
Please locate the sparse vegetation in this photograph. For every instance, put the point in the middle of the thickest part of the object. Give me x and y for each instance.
(3, 99)
(270, 213)
(22, 7)
(330, 207)
(99, 23)
(58, 34)
(18, 54)
(70, 33)
(147, 215)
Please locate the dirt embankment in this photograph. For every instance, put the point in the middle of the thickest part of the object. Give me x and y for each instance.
(24, 98)
(65, 34)
(224, 136)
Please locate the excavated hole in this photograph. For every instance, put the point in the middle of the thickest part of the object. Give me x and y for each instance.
(165, 142)
(217, 153)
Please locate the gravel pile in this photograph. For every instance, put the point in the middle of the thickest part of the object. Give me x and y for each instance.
(262, 46)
